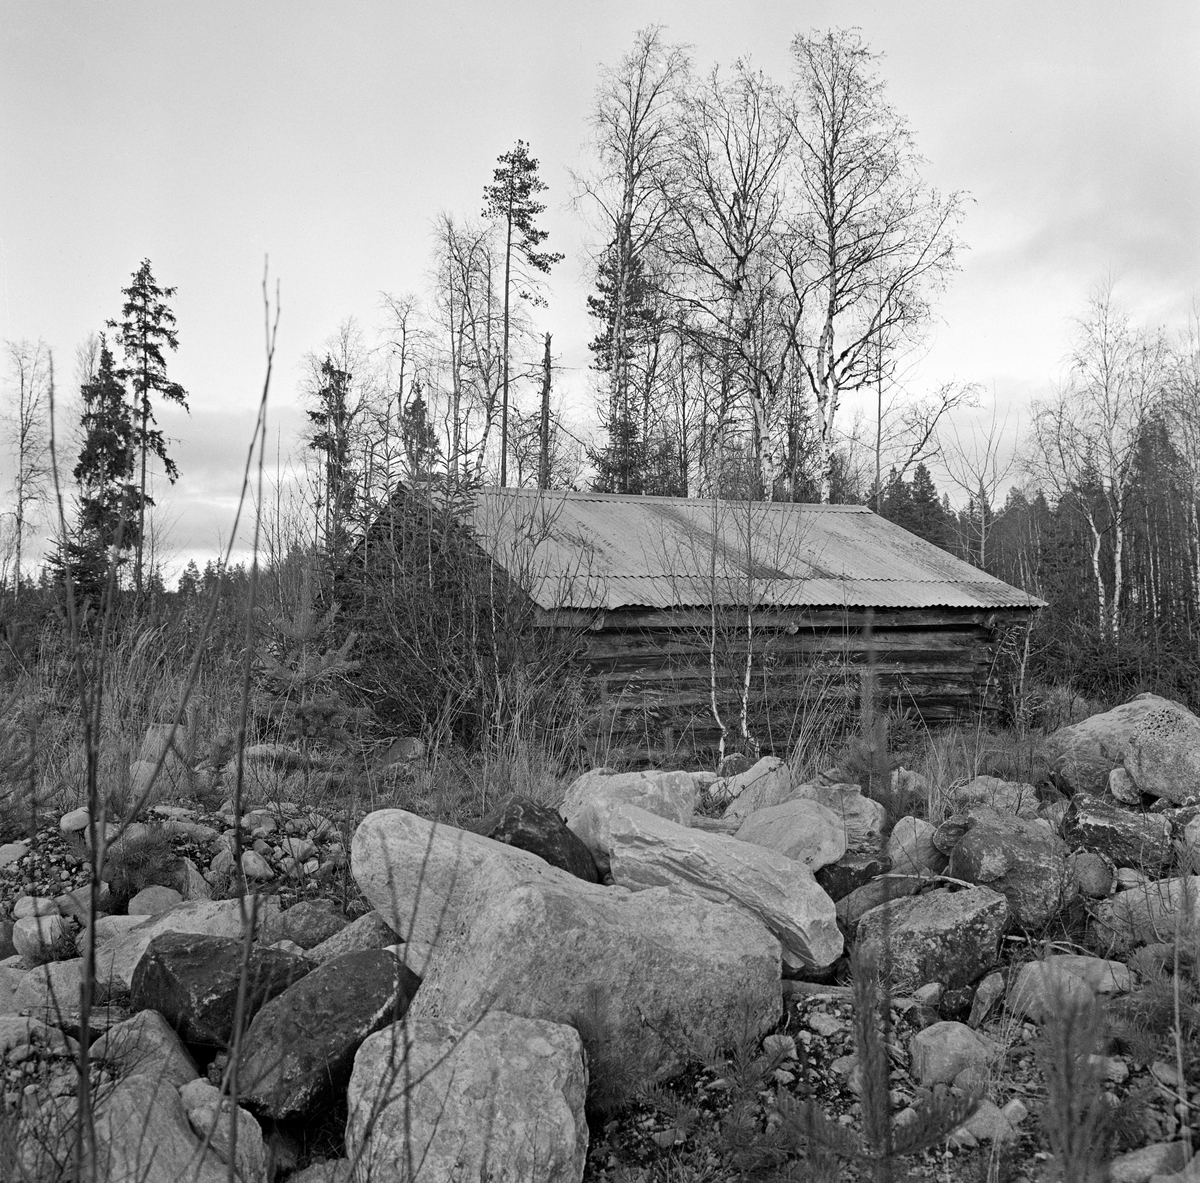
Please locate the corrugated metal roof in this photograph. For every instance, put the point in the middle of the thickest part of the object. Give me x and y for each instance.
(597, 550)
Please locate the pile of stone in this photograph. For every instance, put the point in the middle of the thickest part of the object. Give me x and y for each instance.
(504, 971)
(287, 849)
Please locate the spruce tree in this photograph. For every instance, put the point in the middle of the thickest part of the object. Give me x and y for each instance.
(418, 435)
(511, 200)
(108, 519)
(621, 466)
(897, 503)
(332, 423)
(146, 328)
(929, 518)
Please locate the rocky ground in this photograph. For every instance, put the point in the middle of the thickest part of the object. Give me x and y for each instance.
(653, 989)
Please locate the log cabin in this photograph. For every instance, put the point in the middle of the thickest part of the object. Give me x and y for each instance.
(699, 620)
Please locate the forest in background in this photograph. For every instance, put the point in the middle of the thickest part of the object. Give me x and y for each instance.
(763, 251)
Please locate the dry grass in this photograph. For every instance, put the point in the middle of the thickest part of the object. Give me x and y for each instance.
(952, 756)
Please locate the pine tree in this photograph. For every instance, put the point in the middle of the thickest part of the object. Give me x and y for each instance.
(146, 328)
(510, 199)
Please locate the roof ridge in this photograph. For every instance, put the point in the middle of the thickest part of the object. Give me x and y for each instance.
(638, 498)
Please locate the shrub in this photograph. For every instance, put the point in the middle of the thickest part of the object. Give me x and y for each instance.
(139, 860)
(1077, 1117)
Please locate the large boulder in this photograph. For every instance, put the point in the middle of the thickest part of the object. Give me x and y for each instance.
(637, 973)
(1162, 753)
(106, 929)
(212, 1119)
(193, 981)
(116, 959)
(1129, 838)
(1159, 1161)
(804, 830)
(648, 851)
(1083, 754)
(1150, 913)
(1101, 975)
(850, 872)
(300, 1046)
(1121, 787)
(942, 936)
(39, 938)
(863, 819)
(152, 900)
(854, 905)
(942, 1050)
(1004, 796)
(501, 1099)
(537, 828)
(764, 784)
(1091, 874)
(416, 873)
(367, 932)
(591, 799)
(1023, 860)
(146, 1045)
(16, 1030)
(10, 981)
(1041, 988)
(50, 992)
(142, 1135)
(307, 923)
(911, 848)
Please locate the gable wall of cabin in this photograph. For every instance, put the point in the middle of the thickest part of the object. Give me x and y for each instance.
(655, 674)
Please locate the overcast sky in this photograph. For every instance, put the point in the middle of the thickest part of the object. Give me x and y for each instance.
(327, 136)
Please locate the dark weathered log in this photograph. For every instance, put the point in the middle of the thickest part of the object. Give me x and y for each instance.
(675, 642)
(690, 617)
(785, 675)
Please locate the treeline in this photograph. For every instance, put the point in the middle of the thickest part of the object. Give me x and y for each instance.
(1103, 518)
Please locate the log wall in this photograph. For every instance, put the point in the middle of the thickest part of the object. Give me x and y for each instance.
(652, 672)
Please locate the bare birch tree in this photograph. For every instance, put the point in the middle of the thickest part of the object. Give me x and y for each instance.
(876, 240)
(1183, 414)
(27, 424)
(1086, 435)
(727, 200)
(406, 377)
(468, 280)
(978, 463)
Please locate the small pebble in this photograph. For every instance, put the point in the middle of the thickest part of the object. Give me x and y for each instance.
(825, 1025)
(782, 1047)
